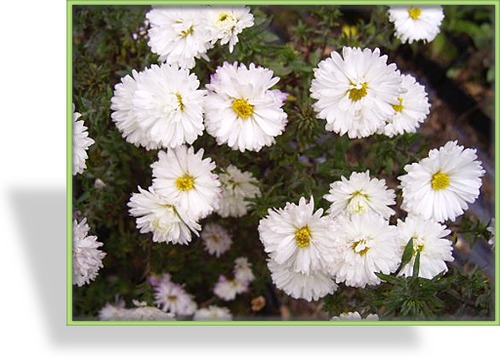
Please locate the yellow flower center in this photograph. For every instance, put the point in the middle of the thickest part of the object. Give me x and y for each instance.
(185, 183)
(186, 33)
(171, 298)
(360, 247)
(223, 17)
(242, 108)
(358, 91)
(440, 181)
(414, 12)
(398, 107)
(418, 246)
(179, 100)
(303, 237)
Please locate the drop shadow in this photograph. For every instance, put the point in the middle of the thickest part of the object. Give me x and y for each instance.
(41, 216)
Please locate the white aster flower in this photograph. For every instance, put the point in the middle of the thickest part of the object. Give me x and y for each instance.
(354, 316)
(142, 312)
(225, 23)
(360, 194)
(171, 297)
(310, 287)
(237, 186)
(241, 109)
(178, 35)
(416, 23)
(441, 185)
(428, 239)
(158, 215)
(243, 270)
(491, 229)
(367, 244)
(355, 94)
(113, 312)
(227, 289)
(216, 239)
(87, 258)
(159, 107)
(81, 143)
(298, 237)
(186, 179)
(411, 111)
(213, 313)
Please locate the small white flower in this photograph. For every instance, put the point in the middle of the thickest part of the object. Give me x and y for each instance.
(360, 194)
(186, 179)
(355, 94)
(441, 185)
(411, 111)
(171, 297)
(241, 109)
(213, 313)
(416, 23)
(81, 143)
(428, 239)
(87, 258)
(243, 270)
(216, 239)
(491, 229)
(225, 23)
(310, 287)
(113, 312)
(298, 237)
(227, 289)
(179, 35)
(354, 316)
(142, 312)
(366, 244)
(160, 216)
(237, 186)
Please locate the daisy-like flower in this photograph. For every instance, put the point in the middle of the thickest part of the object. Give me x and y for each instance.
(171, 297)
(441, 186)
(367, 244)
(298, 237)
(213, 313)
(355, 92)
(360, 194)
(81, 143)
(243, 270)
(225, 23)
(241, 109)
(354, 316)
(87, 258)
(178, 35)
(113, 312)
(158, 215)
(160, 107)
(216, 239)
(416, 23)
(411, 111)
(227, 289)
(237, 186)
(186, 179)
(310, 287)
(142, 312)
(428, 239)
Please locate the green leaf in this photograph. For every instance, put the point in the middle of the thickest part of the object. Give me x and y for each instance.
(416, 265)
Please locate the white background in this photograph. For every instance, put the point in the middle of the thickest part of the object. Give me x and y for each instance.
(33, 150)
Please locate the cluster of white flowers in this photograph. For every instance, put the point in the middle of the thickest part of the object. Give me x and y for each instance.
(227, 289)
(140, 312)
(171, 297)
(347, 316)
(416, 23)
(237, 187)
(81, 143)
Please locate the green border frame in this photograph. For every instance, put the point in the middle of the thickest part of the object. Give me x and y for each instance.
(69, 165)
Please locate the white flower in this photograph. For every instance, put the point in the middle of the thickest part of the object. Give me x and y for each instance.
(354, 316)
(243, 270)
(81, 143)
(160, 216)
(441, 185)
(367, 244)
(160, 107)
(178, 35)
(237, 186)
(355, 94)
(216, 239)
(416, 23)
(226, 23)
(310, 287)
(87, 258)
(212, 313)
(227, 289)
(142, 312)
(360, 194)
(172, 297)
(241, 110)
(491, 229)
(113, 312)
(411, 111)
(298, 237)
(428, 239)
(186, 179)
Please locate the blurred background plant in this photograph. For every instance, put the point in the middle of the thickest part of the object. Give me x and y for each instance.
(110, 41)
